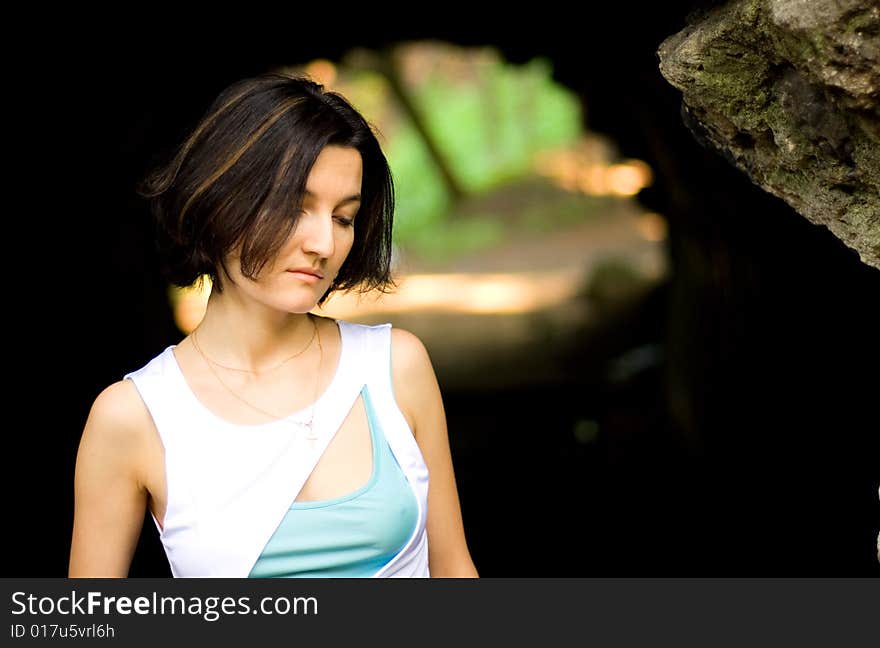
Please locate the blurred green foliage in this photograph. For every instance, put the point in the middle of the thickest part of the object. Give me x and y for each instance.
(488, 129)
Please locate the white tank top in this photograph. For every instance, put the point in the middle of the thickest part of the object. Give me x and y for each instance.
(229, 486)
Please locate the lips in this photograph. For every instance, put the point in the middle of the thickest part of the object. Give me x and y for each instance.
(307, 271)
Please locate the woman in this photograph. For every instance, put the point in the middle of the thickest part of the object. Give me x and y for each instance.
(272, 442)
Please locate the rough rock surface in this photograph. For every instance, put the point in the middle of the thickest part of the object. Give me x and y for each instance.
(789, 92)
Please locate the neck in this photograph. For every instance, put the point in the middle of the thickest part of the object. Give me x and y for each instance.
(251, 336)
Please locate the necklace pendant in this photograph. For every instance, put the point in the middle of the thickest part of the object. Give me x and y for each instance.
(311, 435)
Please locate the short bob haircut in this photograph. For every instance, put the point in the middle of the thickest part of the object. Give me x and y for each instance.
(238, 182)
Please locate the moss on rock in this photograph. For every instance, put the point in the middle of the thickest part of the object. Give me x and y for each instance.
(789, 92)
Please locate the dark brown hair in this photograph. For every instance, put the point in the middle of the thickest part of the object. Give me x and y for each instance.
(239, 179)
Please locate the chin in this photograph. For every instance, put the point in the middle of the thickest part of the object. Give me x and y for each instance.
(296, 299)
(296, 306)
(302, 309)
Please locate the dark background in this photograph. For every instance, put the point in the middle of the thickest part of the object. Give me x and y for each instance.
(767, 465)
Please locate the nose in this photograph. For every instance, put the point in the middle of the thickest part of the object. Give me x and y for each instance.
(316, 232)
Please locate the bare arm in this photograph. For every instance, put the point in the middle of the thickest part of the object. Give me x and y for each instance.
(418, 396)
(110, 498)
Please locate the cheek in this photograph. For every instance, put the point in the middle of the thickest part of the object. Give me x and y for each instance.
(345, 244)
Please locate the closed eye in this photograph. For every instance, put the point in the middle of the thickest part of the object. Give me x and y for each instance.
(344, 221)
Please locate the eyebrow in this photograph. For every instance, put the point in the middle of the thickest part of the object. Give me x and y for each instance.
(348, 199)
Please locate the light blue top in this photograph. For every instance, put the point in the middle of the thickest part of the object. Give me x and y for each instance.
(349, 536)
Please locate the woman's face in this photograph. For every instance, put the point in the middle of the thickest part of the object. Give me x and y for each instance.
(311, 257)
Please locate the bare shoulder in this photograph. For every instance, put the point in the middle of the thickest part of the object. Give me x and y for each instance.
(119, 403)
(118, 419)
(408, 353)
(110, 485)
(415, 384)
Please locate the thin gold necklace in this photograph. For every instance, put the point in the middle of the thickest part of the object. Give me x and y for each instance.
(260, 372)
(311, 435)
